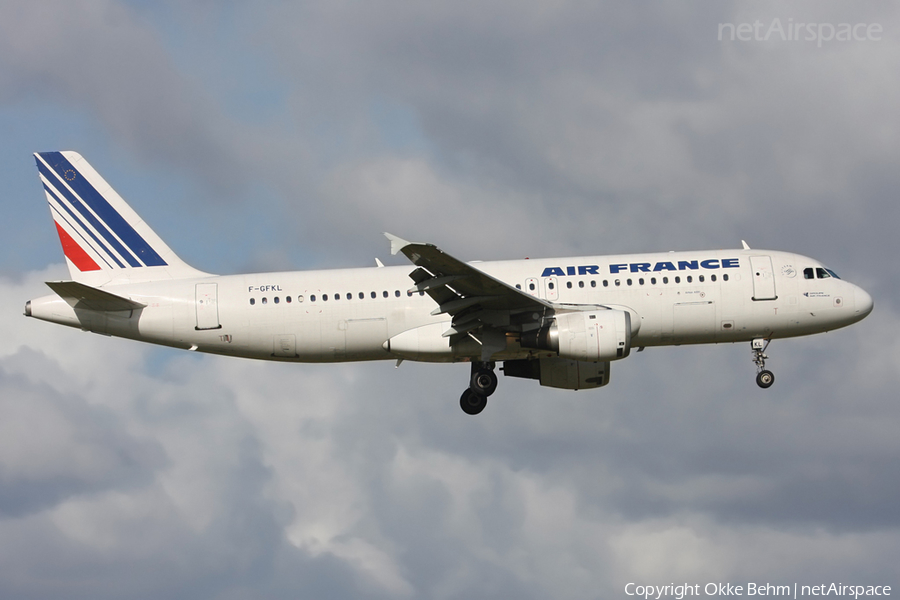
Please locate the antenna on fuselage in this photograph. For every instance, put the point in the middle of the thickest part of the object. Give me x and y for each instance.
(744, 244)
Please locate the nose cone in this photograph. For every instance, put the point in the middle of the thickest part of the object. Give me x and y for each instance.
(864, 302)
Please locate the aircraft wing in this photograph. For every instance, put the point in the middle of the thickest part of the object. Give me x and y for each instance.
(79, 295)
(479, 304)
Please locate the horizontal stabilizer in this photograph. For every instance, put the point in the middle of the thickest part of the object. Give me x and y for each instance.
(79, 295)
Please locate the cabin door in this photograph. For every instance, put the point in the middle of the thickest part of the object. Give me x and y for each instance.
(763, 278)
(207, 303)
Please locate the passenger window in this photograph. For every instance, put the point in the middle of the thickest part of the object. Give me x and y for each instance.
(628, 282)
(808, 273)
(701, 278)
(593, 283)
(349, 296)
(324, 297)
(653, 281)
(677, 279)
(337, 297)
(569, 284)
(581, 284)
(605, 283)
(518, 286)
(665, 280)
(690, 279)
(712, 277)
(618, 282)
(276, 300)
(362, 295)
(311, 298)
(725, 277)
(821, 273)
(384, 293)
(287, 299)
(641, 281)
(374, 295)
(264, 301)
(300, 298)
(397, 293)
(252, 301)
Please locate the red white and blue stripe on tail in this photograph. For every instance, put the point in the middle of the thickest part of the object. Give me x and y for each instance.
(92, 229)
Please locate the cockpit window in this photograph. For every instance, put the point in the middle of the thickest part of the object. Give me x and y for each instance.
(818, 273)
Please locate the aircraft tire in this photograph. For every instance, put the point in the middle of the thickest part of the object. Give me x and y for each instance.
(472, 402)
(483, 382)
(765, 379)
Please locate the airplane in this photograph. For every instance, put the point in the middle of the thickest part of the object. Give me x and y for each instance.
(560, 321)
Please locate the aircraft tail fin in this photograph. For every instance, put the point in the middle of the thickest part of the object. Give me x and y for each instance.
(103, 239)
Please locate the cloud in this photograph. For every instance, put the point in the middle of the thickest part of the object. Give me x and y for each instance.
(366, 480)
(629, 115)
(105, 60)
(56, 446)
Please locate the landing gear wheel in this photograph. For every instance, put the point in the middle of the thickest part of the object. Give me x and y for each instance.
(765, 379)
(471, 402)
(483, 382)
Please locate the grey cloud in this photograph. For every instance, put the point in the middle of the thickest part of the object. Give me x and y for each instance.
(108, 61)
(56, 446)
(626, 115)
(365, 465)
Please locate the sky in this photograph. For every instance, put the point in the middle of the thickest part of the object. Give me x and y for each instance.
(289, 135)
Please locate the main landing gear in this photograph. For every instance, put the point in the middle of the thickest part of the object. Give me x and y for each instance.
(482, 384)
(764, 377)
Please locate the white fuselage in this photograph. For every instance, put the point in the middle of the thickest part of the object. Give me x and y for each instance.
(350, 314)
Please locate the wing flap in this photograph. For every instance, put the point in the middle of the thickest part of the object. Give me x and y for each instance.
(79, 295)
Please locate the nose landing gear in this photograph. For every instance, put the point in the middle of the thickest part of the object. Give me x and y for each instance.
(482, 383)
(764, 377)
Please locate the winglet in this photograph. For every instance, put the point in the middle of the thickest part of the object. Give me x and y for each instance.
(744, 244)
(397, 244)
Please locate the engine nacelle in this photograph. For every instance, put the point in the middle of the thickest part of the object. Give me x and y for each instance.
(592, 336)
(560, 373)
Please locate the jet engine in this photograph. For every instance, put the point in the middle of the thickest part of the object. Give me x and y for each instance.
(591, 336)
